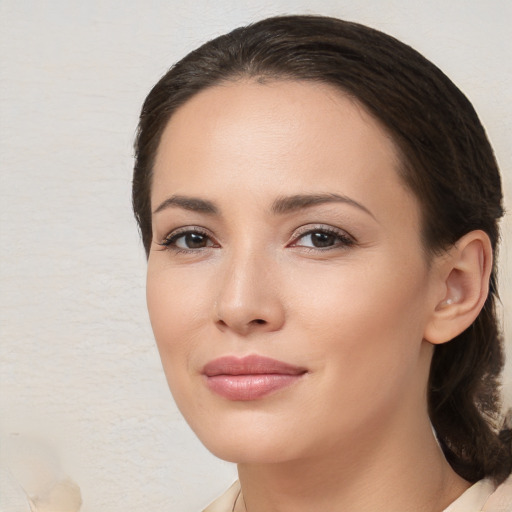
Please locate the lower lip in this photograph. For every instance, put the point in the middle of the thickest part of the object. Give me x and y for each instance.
(249, 387)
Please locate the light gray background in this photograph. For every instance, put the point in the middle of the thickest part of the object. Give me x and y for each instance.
(78, 363)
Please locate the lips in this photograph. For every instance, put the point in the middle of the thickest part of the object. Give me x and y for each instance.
(249, 378)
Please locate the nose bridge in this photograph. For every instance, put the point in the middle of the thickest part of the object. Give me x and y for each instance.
(248, 298)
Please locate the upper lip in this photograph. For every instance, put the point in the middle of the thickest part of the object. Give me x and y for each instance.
(250, 365)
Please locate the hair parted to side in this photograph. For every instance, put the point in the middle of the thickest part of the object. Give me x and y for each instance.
(447, 162)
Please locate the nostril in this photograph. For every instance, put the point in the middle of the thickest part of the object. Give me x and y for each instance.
(259, 321)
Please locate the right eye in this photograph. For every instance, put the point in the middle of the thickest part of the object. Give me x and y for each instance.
(187, 240)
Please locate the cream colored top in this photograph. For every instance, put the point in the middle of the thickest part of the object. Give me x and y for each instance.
(480, 497)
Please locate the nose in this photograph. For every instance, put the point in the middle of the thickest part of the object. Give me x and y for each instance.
(249, 297)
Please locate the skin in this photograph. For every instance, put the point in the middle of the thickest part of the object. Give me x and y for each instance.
(357, 313)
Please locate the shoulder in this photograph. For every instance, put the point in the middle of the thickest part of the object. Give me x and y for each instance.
(484, 496)
(226, 502)
(501, 499)
(495, 499)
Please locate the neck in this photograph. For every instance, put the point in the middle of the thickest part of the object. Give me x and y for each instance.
(400, 468)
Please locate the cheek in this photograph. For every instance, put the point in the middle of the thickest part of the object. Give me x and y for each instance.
(176, 304)
(370, 319)
(381, 291)
(173, 306)
(364, 336)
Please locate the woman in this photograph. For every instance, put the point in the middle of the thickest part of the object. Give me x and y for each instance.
(319, 207)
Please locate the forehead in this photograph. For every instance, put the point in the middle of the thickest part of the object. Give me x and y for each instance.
(275, 108)
(279, 137)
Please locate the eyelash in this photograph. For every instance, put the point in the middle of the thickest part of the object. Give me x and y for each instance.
(343, 239)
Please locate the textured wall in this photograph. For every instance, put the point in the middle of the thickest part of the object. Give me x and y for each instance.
(78, 366)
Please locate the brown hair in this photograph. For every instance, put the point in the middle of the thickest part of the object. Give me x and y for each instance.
(447, 162)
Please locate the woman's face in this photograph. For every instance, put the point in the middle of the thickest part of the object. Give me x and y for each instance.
(287, 286)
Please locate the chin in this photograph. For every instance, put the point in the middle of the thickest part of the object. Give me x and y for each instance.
(248, 452)
(255, 442)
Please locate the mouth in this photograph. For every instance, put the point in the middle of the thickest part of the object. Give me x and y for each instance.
(249, 378)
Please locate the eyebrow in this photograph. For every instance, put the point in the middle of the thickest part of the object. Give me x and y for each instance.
(188, 203)
(289, 204)
(281, 206)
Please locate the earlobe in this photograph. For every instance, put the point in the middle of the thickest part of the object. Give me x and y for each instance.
(464, 274)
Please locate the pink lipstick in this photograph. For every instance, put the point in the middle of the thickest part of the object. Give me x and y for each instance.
(250, 377)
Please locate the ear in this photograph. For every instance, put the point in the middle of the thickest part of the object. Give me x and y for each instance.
(463, 277)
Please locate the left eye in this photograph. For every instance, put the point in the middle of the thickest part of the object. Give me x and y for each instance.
(187, 241)
(323, 239)
(192, 241)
